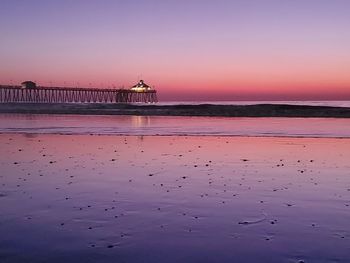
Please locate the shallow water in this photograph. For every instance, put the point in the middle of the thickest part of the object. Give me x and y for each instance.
(70, 198)
(158, 125)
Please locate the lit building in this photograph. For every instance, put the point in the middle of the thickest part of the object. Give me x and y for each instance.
(141, 87)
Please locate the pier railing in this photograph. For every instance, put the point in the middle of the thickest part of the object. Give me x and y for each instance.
(74, 95)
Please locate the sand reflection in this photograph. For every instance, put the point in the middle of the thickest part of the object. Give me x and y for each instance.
(147, 199)
(140, 121)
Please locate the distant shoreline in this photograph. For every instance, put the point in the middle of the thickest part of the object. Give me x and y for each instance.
(205, 110)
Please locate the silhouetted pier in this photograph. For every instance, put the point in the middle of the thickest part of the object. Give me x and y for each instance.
(74, 95)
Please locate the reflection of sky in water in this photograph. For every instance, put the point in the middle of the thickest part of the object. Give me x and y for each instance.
(140, 121)
(174, 199)
(158, 125)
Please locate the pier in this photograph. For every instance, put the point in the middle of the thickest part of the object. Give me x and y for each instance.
(32, 94)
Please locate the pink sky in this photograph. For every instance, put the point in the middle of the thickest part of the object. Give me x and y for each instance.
(189, 50)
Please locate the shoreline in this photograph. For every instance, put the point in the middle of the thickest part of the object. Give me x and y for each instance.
(222, 136)
(205, 110)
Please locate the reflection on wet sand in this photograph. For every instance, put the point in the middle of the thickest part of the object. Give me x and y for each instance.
(140, 121)
(183, 125)
(173, 199)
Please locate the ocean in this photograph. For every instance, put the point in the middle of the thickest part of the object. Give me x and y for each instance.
(332, 103)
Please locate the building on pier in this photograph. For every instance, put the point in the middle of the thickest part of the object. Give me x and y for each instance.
(141, 86)
(28, 84)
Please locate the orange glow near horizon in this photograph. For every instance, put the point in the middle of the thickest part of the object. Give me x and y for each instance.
(228, 51)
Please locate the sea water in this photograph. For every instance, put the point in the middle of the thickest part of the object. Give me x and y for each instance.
(332, 103)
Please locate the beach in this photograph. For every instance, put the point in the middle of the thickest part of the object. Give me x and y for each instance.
(89, 198)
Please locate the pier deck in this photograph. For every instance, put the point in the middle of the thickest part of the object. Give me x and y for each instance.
(74, 95)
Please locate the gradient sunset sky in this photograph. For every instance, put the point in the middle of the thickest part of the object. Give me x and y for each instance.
(187, 49)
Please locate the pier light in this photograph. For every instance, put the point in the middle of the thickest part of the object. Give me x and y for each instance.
(141, 86)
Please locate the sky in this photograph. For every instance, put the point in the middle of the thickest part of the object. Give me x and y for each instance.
(187, 49)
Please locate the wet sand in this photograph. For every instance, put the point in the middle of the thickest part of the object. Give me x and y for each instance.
(80, 198)
(174, 125)
(259, 110)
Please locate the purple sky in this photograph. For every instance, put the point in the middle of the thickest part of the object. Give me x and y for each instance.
(193, 49)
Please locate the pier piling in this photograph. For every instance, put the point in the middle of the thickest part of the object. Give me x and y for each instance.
(19, 94)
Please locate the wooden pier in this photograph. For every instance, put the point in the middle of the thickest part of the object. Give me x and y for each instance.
(39, 94)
